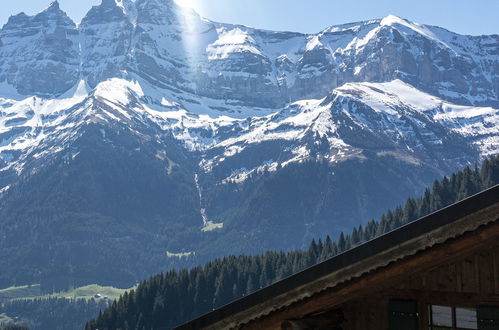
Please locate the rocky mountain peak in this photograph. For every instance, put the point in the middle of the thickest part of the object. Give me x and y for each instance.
(39, 54)
(16, 21)
(107, 11)
(54, 13)
(172, 47)
(158, 12)
(54, 6)
(393, 19)
(108, 3)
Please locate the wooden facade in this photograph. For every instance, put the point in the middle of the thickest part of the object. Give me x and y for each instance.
(440, 272)
(462, 274)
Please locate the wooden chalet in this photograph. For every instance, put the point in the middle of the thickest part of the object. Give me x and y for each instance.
(439, 272)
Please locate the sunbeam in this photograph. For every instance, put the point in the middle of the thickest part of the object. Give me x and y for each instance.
(195, 32)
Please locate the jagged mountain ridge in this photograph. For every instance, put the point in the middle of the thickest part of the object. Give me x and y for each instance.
(394, 118)
(172, 47)
(139, 40)
(147, 129)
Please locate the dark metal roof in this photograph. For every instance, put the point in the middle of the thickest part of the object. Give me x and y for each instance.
(389, 240)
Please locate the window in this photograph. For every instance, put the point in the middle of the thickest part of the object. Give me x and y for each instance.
(466, 318)
(456, 318)
(440, 317)
(404, 315)
(488, 318)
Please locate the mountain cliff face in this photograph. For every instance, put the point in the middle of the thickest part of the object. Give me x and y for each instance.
(39, 54)
(147, 137)
(172, 47)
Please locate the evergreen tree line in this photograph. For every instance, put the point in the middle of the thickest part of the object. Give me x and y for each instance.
(50, 313)
(170, 299)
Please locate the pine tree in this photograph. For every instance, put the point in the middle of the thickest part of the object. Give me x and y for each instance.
(342, 243)
(410, 211)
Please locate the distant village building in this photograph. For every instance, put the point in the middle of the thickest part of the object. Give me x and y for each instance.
(440, 272)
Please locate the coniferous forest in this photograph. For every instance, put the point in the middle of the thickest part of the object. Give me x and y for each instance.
(51, 313)
(170, 299)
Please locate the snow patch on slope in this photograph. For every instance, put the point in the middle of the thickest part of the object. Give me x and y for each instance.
(232, 41)
(388, 97)
(394, 97)
(392, 20)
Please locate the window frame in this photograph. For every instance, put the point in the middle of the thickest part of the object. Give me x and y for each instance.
(432, 326)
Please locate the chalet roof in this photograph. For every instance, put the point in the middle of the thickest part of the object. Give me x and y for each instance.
(451, 222)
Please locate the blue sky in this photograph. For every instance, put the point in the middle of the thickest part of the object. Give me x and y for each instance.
(462, 16)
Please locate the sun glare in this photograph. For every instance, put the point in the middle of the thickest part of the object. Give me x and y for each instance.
(192, 29)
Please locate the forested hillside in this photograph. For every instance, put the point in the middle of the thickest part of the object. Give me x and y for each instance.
(53, 313)
(169, 299)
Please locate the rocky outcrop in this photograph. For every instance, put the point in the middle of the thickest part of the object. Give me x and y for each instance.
(40, 54)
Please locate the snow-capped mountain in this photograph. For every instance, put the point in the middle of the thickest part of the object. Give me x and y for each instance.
(172, 47)
(188, 135)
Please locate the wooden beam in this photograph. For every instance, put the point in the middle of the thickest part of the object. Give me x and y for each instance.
(457, 299)
(328, 320)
